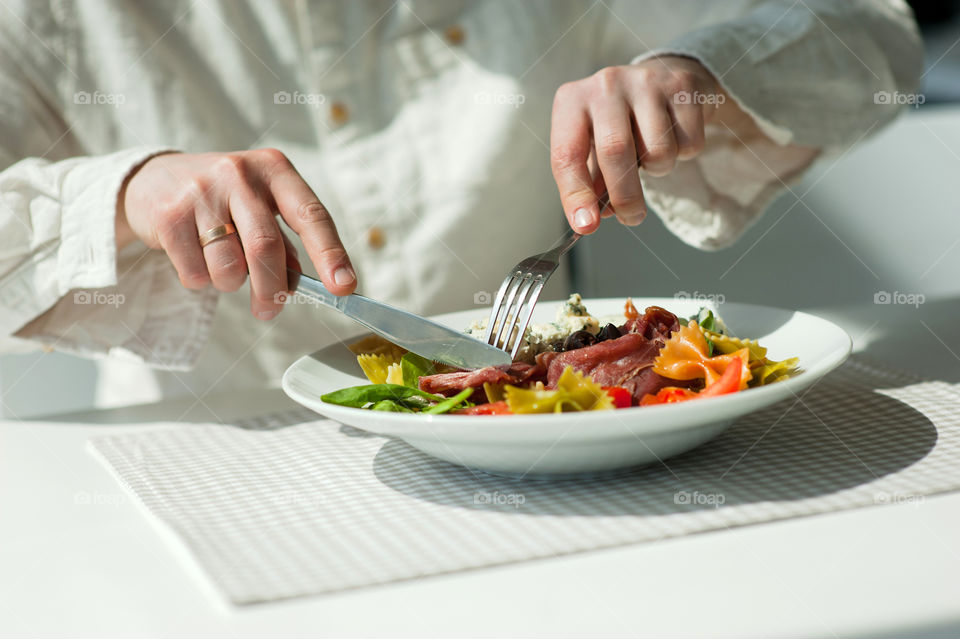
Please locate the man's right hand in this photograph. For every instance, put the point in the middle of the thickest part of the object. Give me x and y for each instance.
(173, 198)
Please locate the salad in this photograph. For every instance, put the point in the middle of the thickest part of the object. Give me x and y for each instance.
(576, 363)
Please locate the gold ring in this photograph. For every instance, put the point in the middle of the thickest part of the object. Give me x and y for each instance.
(216, 233)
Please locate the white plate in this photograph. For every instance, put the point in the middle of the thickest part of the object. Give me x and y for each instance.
(590, 441)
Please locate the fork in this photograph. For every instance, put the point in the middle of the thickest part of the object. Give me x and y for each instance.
(518, 295)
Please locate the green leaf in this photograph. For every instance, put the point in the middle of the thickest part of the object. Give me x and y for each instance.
(450, 403)
(390, 405)
(413, 367)
(708, 322)
(360, 396)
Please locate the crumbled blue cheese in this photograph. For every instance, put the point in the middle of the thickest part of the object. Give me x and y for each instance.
(572, 316)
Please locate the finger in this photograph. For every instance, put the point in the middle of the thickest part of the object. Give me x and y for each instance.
(303, 212)
(179, 241)
(263, 249)
(293, 255)
(224, 256)
(570, 145)
(658, 143)
(599, 186)
(617, 158)
(688, 123)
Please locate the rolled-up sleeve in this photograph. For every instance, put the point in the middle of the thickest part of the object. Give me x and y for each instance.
(62, 283)
(815, 76)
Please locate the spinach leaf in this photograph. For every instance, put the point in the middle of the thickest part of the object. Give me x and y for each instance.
(360, 396)
(391, 406)
(450, 403)
(707, 321)
(413, 367)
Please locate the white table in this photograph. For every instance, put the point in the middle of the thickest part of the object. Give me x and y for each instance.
(101, 569)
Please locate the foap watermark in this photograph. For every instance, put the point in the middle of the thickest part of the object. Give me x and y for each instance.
(696, 498)
(99, 98)
(315, 100)
(99, 298)
(482, 298)
(84, 498)
(900, 299)
(884, 497)
(899, 98)
(716, 298)
(496, 498)
(500, 99)
(695, 97)
(283, 297)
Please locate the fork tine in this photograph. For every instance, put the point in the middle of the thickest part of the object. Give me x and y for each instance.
(507, 307)
(527, 278)
(513, 335)
(531, 303)
(497, 307)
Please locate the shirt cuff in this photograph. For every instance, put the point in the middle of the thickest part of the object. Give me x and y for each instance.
(80, 196)
(87, 255)
(128, 305)
(710, 201)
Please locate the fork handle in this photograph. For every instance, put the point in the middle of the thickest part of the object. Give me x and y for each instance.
(565, 244)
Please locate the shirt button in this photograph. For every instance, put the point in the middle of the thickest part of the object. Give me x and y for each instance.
(454, 34)
(339, 113)
(375, 238)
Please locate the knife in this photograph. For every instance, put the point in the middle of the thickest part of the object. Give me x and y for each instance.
(414, 333)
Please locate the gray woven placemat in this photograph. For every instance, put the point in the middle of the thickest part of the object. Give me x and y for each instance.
(289, 505)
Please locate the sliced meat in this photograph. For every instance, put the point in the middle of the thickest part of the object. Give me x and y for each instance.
(452, 383)
(609, 363)
(626, 361)
(655, 324)
(647, 381)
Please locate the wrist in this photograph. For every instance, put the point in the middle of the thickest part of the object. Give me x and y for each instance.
(127, 203)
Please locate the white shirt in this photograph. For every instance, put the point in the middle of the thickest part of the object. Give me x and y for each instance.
(426, 122)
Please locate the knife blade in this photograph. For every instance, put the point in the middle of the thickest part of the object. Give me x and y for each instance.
(422, 336)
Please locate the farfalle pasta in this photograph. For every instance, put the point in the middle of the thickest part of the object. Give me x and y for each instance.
(763, 369)
(686, 356)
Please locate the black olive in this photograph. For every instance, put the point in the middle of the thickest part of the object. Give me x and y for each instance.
(609, 331)
(579, 339)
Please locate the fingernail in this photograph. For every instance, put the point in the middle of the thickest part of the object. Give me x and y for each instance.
(344, 275)
(583, 218)
(266, 315)
(633, 220)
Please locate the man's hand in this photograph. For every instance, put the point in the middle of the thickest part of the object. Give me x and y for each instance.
(604, 127)
(171, 199)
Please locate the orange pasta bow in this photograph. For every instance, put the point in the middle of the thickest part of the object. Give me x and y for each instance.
(685, 356)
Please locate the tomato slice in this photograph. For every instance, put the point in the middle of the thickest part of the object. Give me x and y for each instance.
(668, 395)
(729, 382)
(622, 398)
(492, 408)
